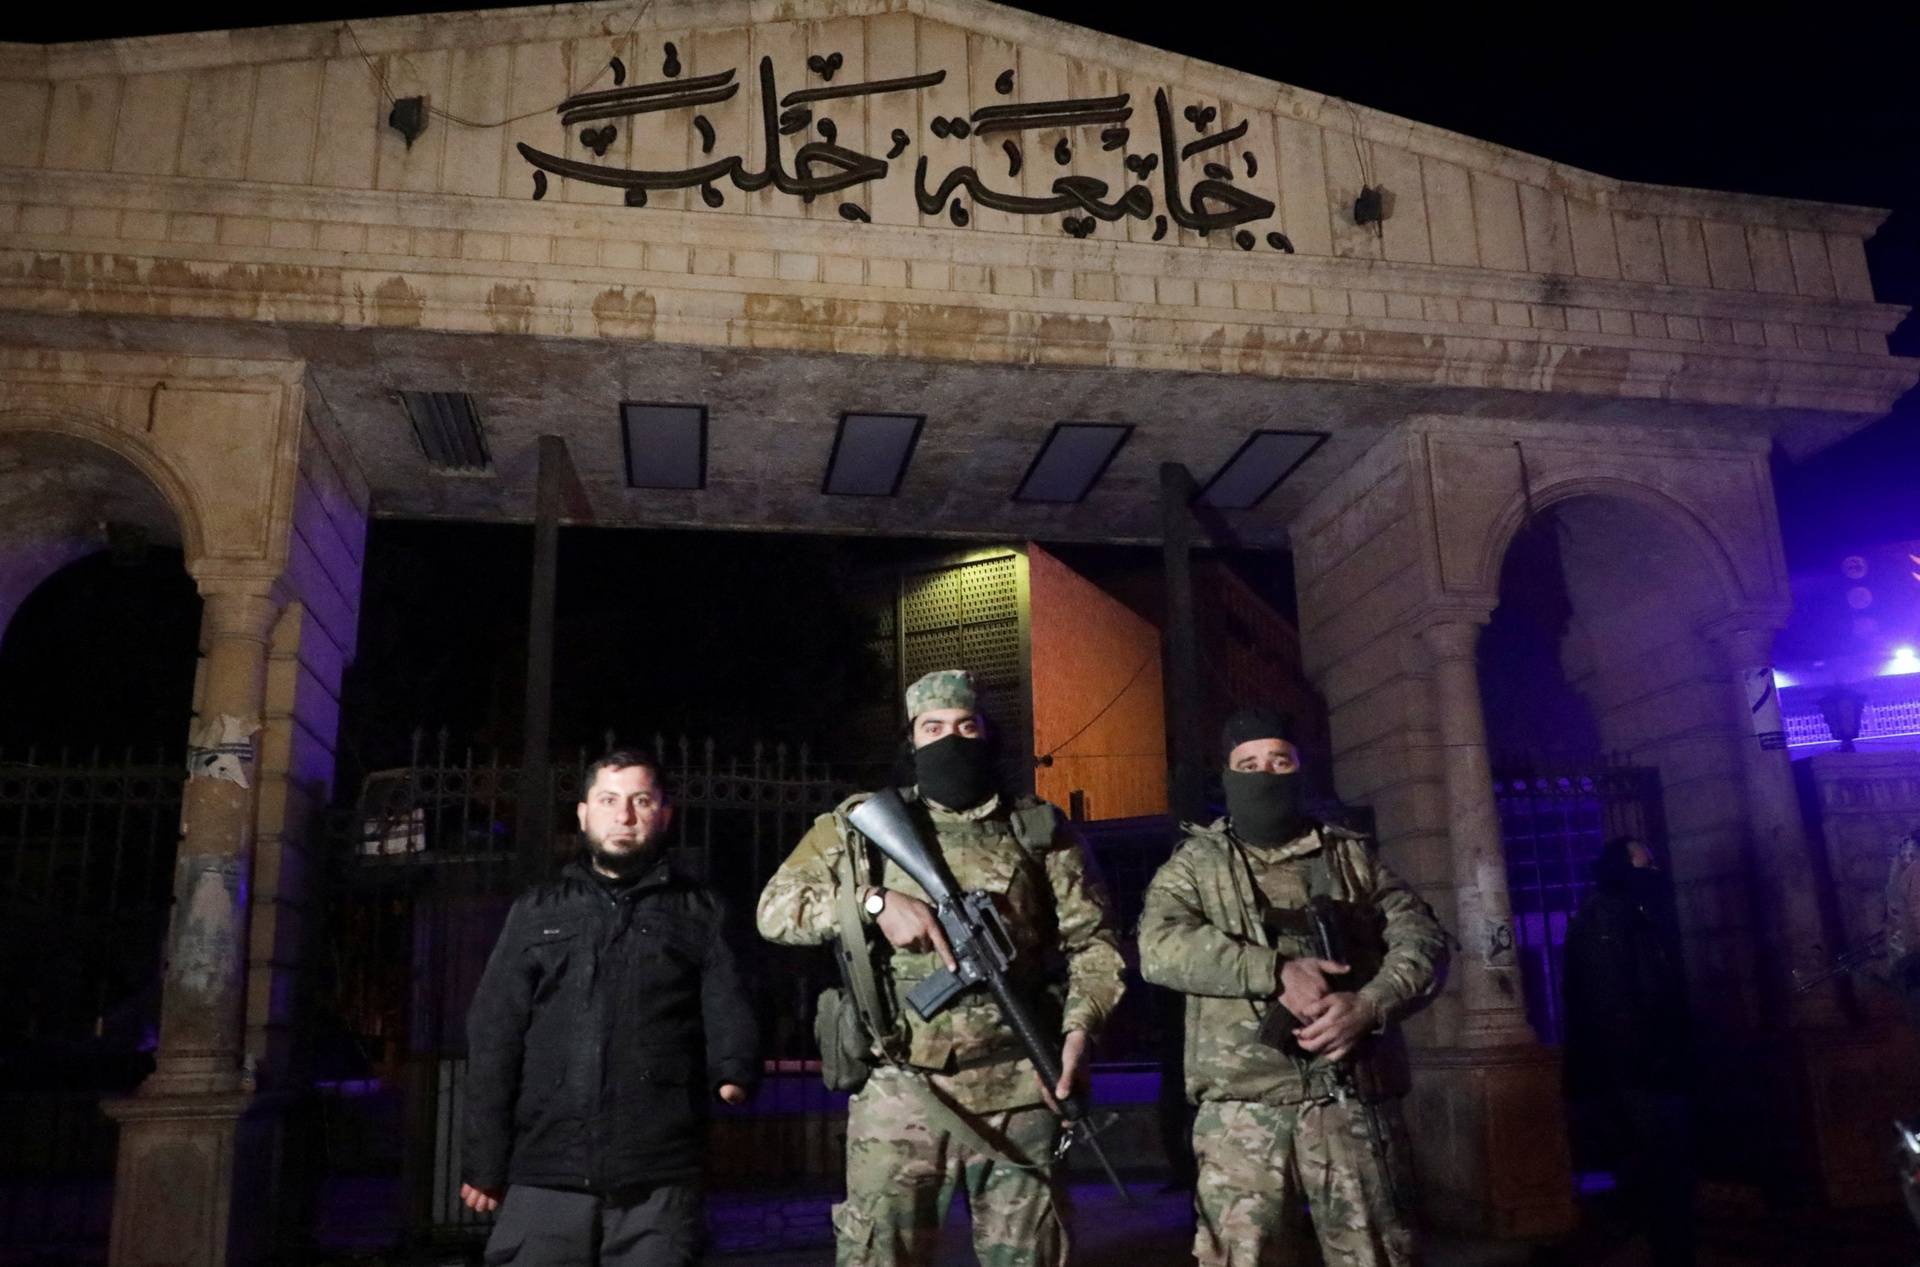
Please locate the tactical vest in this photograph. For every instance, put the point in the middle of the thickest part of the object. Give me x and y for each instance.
(1380, 1067)
(970, 1033)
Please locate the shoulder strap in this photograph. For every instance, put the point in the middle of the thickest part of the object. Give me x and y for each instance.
(1034, 824)
(859, 960)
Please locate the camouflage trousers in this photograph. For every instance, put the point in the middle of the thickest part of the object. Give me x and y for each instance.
(902, 1173)
(1273, 1178)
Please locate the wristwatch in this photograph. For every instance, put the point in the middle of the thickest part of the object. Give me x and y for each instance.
(874, 902)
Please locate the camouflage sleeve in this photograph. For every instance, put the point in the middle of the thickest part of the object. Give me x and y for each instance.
(1415, 966)
(1181, 949)
(1088, 939)
(797, 908)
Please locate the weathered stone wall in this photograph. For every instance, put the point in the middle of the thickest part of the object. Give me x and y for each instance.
(313, 642)
(1358, 565)
(1865, 1077)
(251, 174)
(1865, 801)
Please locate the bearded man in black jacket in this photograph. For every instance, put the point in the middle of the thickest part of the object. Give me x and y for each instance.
(610, 1015)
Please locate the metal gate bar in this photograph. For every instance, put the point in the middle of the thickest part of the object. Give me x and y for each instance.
(1552, 826)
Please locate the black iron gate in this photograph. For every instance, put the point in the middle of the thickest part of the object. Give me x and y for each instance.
(424, 873)
(1552, 826)
(87, 844)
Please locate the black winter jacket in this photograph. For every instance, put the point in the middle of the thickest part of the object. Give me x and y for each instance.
(606, 1020)
(1628, 1021)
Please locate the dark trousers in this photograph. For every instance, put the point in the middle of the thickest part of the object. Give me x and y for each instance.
(663, 1226)
(1650, 1134)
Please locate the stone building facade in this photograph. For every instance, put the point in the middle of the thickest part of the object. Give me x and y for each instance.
(223, 255)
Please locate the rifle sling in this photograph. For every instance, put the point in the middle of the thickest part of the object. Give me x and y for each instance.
(952, 1119)
(859, 960)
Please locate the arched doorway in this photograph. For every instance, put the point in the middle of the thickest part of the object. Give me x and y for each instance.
(99, 626)
(1598, 658)
(1609, 712)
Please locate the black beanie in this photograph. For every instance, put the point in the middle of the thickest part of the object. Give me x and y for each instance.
(1253, 723)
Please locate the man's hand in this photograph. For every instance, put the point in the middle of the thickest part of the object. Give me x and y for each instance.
(733, 1093)
(480, 1200)
(910, 924)
(1343, 1022)
(1073, 1070)
(1303, 986)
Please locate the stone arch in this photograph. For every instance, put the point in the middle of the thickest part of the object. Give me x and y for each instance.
(1507, 522)
(72, 471)
(1649, 584)
(104, 432)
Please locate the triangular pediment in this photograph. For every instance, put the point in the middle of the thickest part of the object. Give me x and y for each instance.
(929, 113)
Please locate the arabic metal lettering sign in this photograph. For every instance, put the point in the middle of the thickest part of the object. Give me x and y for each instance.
(824, 166)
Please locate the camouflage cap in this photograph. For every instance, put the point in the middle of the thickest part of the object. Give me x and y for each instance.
(943, 688)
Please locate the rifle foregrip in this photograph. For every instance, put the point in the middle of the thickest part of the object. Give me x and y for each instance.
(1045, 1060)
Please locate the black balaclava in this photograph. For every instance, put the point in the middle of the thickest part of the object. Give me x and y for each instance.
(955, 772)
(1264, 808)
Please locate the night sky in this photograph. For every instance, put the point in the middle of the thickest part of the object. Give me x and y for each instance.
(1815, 103)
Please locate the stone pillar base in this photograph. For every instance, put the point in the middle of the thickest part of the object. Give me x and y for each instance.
(1489, 1133)
(1852, 1085)
(194, 1179)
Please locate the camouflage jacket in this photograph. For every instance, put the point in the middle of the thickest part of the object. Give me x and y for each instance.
(1201, 933)
(1057, 911)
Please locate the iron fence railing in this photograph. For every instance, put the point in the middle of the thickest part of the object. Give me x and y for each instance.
(87, 843)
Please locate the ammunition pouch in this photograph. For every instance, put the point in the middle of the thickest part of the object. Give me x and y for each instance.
(846, 1053)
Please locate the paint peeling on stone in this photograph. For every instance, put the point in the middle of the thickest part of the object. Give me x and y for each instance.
(212, 895)
(221, 747)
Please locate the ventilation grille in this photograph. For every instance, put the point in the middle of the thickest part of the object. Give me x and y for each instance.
(968, 617)
(449, 431)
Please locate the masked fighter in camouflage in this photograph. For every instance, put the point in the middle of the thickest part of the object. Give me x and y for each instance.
(959, 1081)
(1306, 1116)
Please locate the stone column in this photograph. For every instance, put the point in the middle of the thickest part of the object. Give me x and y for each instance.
(194, 1167)
(1494, 1009)
(1780, 850)
(202, 1014)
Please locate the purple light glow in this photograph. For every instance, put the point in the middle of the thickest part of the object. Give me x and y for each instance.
(1905, 660)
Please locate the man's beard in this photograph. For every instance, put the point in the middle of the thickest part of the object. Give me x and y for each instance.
(623, 864)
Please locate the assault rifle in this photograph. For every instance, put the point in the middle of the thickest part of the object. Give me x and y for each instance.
(983, 952)
(1324, 925)
(1843, 964)
(1327, 931)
